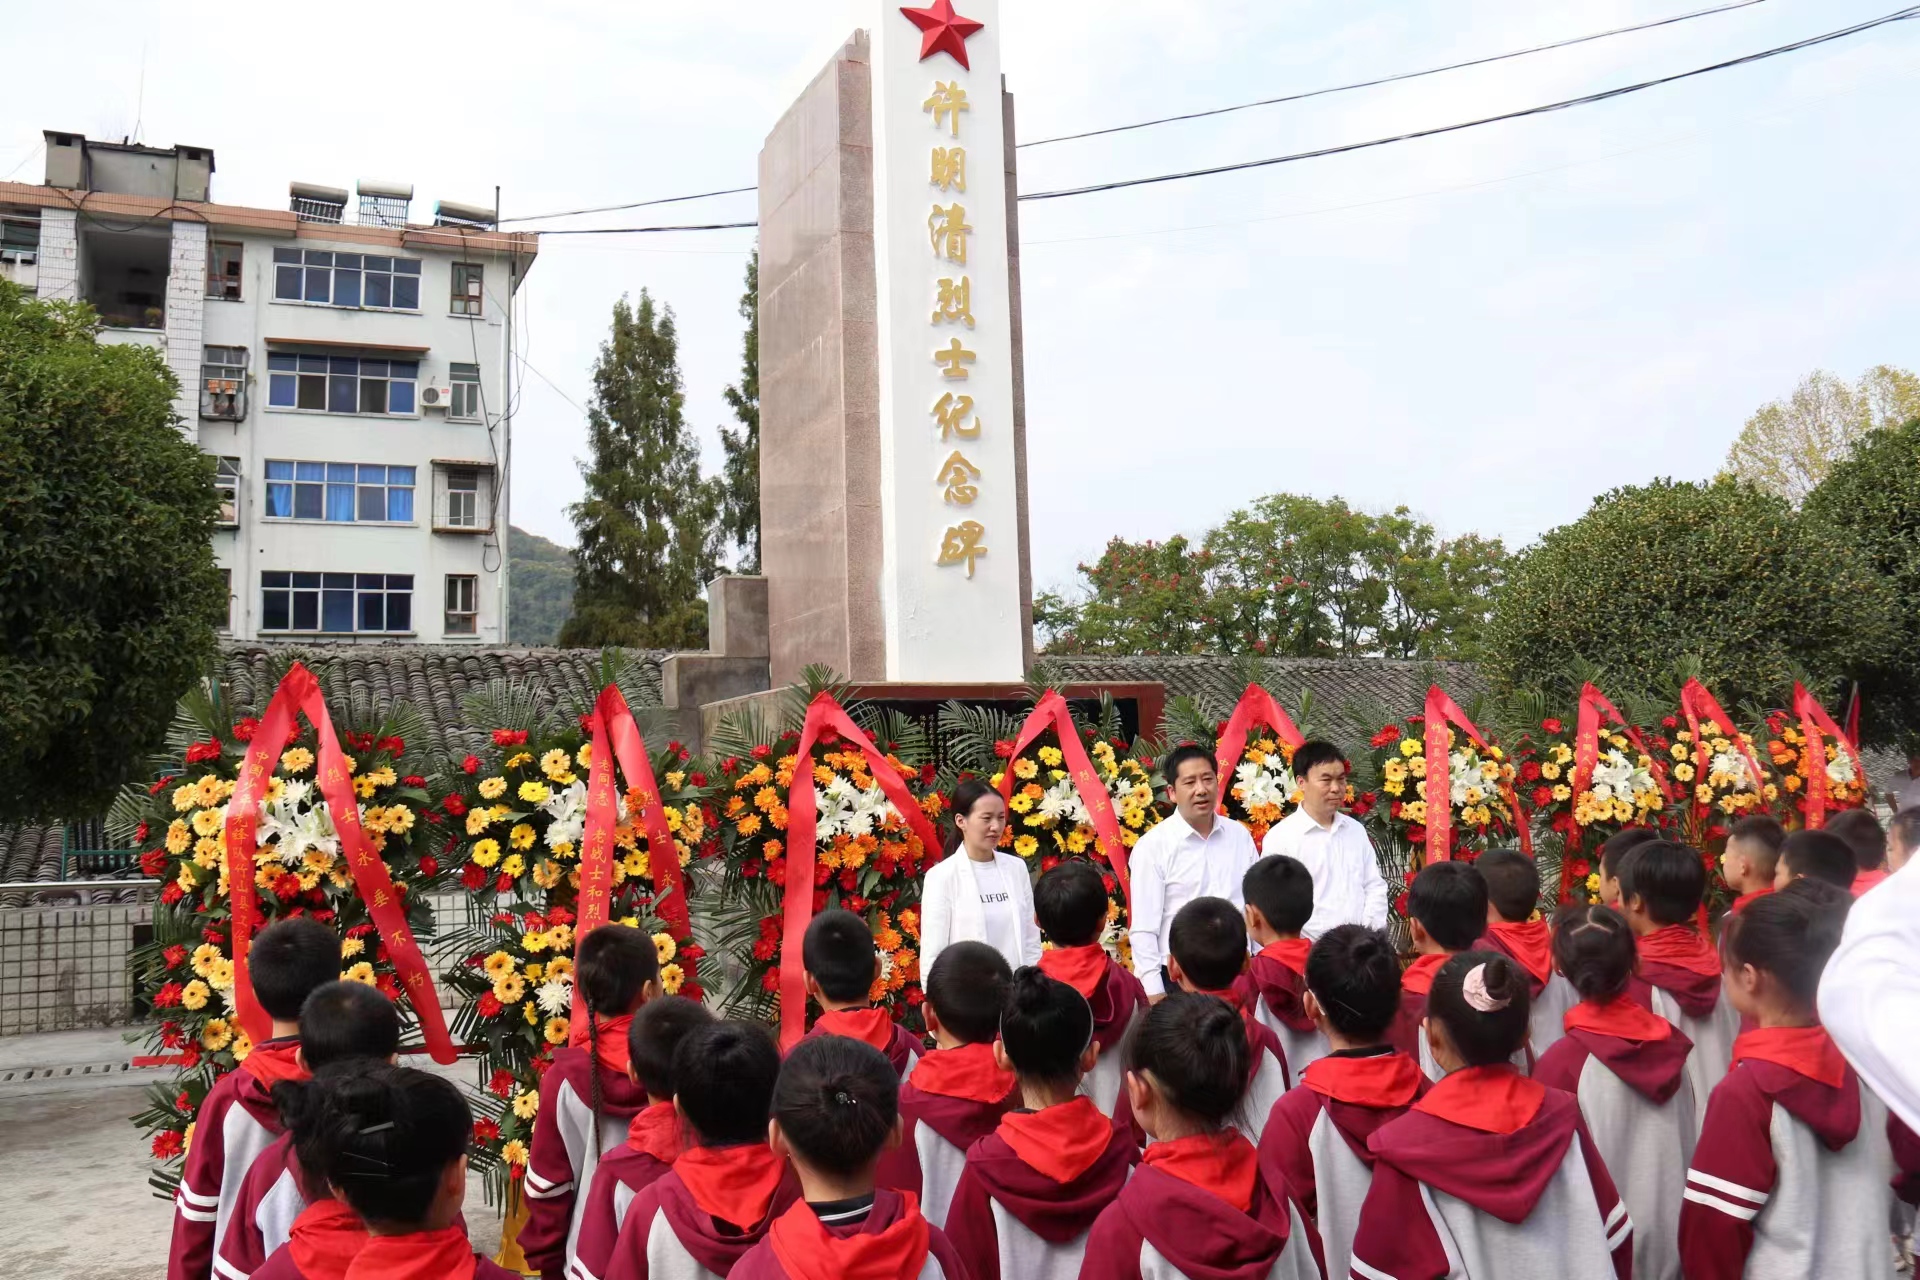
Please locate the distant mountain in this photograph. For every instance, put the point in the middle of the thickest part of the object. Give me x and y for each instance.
(539, 587)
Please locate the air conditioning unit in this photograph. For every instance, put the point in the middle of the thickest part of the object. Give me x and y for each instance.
(436, 395)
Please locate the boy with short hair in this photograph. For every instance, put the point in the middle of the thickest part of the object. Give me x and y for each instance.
(287, 962)
(1070, 903)
(1751, 857)
(956, 1094)
(1661, 888)
(1279, 893)
(1614, 851)
(1209, 945)
(1513, 894)
(841, 963)
(1864, 835)
(1820, 855)
(653, 1135)
(1446, 910)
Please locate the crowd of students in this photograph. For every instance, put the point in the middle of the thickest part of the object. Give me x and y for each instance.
(1604, 1095)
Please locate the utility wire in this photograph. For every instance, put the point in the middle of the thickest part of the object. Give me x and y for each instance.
(604, 231)
(642, 204)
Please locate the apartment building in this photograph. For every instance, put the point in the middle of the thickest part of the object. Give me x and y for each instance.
(347, 368)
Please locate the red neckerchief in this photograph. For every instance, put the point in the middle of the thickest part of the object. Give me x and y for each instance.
(1622, 1018)
(1382, 1081)
(1082, 968)
(612, 1043)
(325, 1239)
(446, 1254)
(1865, 880)
(808, 1251)
(868, 1026)
(1223, 1164)
(1419, 975)
(1291, 952)
(967, 1072)
(275, 1060)
(1745, 898)
(1809, 1051)
(733, 1184)
(1232, 997)
(1530, 942)
(1061, 1141)
(1682, 947)
(655, 1131)
(1495, 1099)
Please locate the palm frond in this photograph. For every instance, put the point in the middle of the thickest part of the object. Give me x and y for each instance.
(816, 678)
(505, 704)
(967, 734)
(1186, 719)
(743, 729)
(894, 731)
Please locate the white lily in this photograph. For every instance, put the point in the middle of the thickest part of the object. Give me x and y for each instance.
(568, 809)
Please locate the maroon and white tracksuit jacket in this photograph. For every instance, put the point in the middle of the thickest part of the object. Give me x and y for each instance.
(560, 1164)
(270, 1198)
(1405, 1034)
(1274, 986)
(1032, 1189)
(652, 1145)
(1116, 998)
(1199, 1208)
(1627, 1066)
(954, 1098)
(1793, 1172)
(698, 1221)
(237, 1121)
(1679, 978)
(1491, 1176)
(887, 1240)
(874, 1027)
(1267, 1083)
(1530, 945)
(1315, 1142)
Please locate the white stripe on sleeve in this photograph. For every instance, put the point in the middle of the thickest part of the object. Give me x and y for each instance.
(227, 1269)
(540, 1189)
(1361, 1271)
(1616, 1235)
(1708, 1182)
(1728, 1207)
(197, 1200)
(198, 1215)
(1619, 1212)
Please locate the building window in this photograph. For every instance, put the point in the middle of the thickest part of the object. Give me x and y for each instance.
(342, 602)
(223, 616)
(462, 498)
(19, 239)
(226, 483)
(223, 269)
(343, 492)
(463, 595)
(223, 383)
(362, 280)
(341, 384)
(467, 289)
(465, 402)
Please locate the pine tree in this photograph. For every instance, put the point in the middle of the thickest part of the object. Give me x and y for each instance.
(648, 540)
(740, 500)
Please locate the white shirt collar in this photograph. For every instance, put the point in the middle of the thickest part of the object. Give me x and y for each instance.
(1185, 828)
(1304, 820)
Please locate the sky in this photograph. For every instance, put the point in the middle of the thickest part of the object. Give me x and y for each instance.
(1491, 328)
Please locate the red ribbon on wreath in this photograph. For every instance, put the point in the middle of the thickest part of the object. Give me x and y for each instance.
(299, 693)
(1051, 713)
(1696, 702)
(1814, 721)
(1442, 710)
(616, 739)
(1256, 706)
(824, 714)
(1594, 705)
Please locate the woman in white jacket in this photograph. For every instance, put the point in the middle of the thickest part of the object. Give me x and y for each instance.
(984, 896)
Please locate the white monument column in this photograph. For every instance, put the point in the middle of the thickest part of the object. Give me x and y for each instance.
(950, 592)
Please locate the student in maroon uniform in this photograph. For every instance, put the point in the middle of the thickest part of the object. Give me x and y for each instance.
(1279, 894)
(394, 1148)
(1446, 911)
(1513, 895)
(835, 1111)
(1612, 852)
(341, 1022)
(957, 1093)
(1207, 948)
(653, 1135)
(1199, 1206)
(1817, 855)
(1627, 1066)
(326, 1236)
(1863, 834)
(1316, 1138)
(840, 963)
(1490, 1174)
(588, 1098)
(1070, 902)
(1790, 1176)
(725, 1190)
(1032, 1188)
(1678, 975)
(1751, 857)
(237, 1119)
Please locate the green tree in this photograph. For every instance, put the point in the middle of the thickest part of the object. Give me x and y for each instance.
(1723, 571)
(1787, 446)
(1142, 597)
(740, 481)
(108, 588)
(540, 591)
(647, 535)
(1871, 500)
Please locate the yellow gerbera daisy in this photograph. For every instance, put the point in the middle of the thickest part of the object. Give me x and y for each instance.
(555, 763)
(534, 792)
(296, 760)
(509, 988)
(672, 978)
(486, 852)
(195, 995)
(216, 1035)
(556, 1031)
(1025, 846)
(514, 865)
(522, 836)
(361, 972)
(663, 944)
(514, 1152)
(525, 1104)
(492, 788)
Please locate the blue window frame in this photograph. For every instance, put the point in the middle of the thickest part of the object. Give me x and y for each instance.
(340, 602)
(342, 492)
(341, 384)
(363, 280)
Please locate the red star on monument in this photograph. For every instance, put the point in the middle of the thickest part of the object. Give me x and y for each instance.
(943, 31)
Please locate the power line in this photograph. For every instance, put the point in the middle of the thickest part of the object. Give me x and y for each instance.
(1216, 111)
(603, 231)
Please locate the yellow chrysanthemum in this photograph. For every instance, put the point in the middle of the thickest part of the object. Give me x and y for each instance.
(351, 947)
(519, 758)
(663, 944)
(522, 836)
(514, 1152)
(534, 792)
(486, 852)
(509, 988)
(676, 779)
(531, 1012)
(556, 1031)
(672, 977)
(296, 760)
(555, 763)
(525, 1104)
(216, 1035)
(361, 972)
(195, 995)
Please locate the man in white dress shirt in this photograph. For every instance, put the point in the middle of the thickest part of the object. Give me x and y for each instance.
(1347, 886)
(1195, 852)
